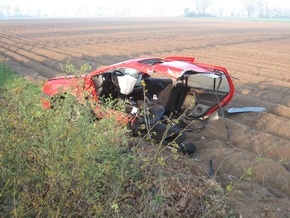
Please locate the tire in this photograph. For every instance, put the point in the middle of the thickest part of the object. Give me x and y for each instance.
(189, 148)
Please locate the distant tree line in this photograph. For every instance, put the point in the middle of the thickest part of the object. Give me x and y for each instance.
(251, 8)
(200, 8)
(8, 11)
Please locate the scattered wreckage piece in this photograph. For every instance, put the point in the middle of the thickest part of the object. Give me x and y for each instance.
(235, 110)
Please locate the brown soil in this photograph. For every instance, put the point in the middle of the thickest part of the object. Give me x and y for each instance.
(257, 53)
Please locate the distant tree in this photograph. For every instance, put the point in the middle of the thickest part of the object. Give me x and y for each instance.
(29, 11)
(250, 7)
(188, 13)
(263, 6)
(5, 10)
(267, 9)
(16, 11)
(221, 11)
(202, 6)
(1, 11)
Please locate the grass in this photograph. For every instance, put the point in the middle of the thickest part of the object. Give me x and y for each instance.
(51, 166)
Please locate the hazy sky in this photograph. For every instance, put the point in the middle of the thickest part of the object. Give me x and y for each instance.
(73, 7)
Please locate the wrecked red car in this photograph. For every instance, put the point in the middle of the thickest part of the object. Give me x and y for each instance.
(153, 89)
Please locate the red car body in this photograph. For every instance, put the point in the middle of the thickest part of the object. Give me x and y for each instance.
(210, 87)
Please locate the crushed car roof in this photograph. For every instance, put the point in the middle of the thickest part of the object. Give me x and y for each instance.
(171, 68)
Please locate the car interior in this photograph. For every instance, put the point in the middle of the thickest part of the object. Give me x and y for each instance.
(195, 94)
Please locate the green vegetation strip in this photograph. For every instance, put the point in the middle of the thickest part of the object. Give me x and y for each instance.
(51, 166)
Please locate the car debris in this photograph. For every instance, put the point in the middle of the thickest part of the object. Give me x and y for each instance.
(154, 90)
(235, 110)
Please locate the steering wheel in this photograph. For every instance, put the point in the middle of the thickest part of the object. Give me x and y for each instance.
(118, 73)
(114, 78)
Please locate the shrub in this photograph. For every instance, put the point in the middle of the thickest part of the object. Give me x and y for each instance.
(52, 166)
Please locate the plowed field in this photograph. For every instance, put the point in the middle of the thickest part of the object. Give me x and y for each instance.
(256, 53)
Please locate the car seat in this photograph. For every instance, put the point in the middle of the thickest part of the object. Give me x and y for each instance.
(98, 83)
